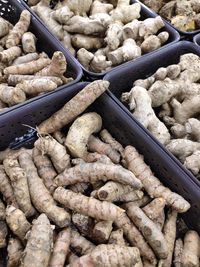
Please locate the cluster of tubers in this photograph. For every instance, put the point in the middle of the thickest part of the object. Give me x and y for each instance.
(82, 199)
(24, 72)
(101, 34)
(183, 14)
(175, 91)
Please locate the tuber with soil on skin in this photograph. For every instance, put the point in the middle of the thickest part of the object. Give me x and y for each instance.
(25, 70)
(167, 104)
(119, 225)
(102, 35)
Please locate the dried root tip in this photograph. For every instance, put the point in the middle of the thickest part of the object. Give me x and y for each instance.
(3, 234)
(79, 133)
(19, 29)
(57, 67)
(29, 42)
(117, 238)
(11, 95)
(10, 54)
(190, 254)
(86, 205)
(37, 86)
(14, 250)
(40, 237)
(61, 248)
(17, 222)
(101, 231)
(57, 152)
(74, 107)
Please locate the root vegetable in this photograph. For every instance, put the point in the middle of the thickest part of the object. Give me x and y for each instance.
(154, 42)
(87, 205)
(80, 244)
(113, 191)
(96, 145)
(57, 152)
(39, 244)
(85, 57)
(4, 29)
(36, 86)
(15, 79)
(25, 59)
(19, 29)
(80, 131)
(134, 237)
(61, 248)
(10, 54)
(116, 238)
(93, 172)
(109, 255)
(128, 51)
(125, 13)
(6, 189)
(100, 64)
(68, 44)
(190, 254)
(29, 67)
(192, 162)
(74, 107)
(84, 25)
(29, 42)
(150, 26)
(79, 7)
(17, 222)
(62, 15)
(113, 37)
(14, 250)
(20, 185)
(11, 95)
(83, 223)
(131, 29)
(57, 67)
(109, 139)
(40, 195)
(98, 7)
(169, 231)
(178, 250)
(150, 231)
(140, 101)
(45, 169)
(101, 231)
(80, 187)
(87, 42)
(59, 136)
(151, 184)
(155, 211)
(143, 201)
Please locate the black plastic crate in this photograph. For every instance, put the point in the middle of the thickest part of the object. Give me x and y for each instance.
(122, 127)
(196, 39)
(184, 35)
(11, 11)
(121, 80)
(145, 13)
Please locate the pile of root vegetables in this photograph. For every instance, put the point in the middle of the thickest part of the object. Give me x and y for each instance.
(79, 198)
(101, 34)
(175, 91)
(183, 14)
(24, 72)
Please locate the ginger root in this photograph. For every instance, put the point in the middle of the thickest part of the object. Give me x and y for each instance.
(15, 250)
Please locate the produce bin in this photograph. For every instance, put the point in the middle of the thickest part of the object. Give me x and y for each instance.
(145, 13)
(121, 80)
(11, 11)
(122, 126)
(184, 34)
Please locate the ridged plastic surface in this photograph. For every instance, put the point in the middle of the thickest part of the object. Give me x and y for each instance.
(145, 13)
(183, 34)
(121, 80)
(11, 11)
(122, 127)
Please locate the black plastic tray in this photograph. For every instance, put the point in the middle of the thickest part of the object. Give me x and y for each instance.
(145, 13)
(121, 80)
(122, 127)
(11, 11)
(184, 34)
(196, 39)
